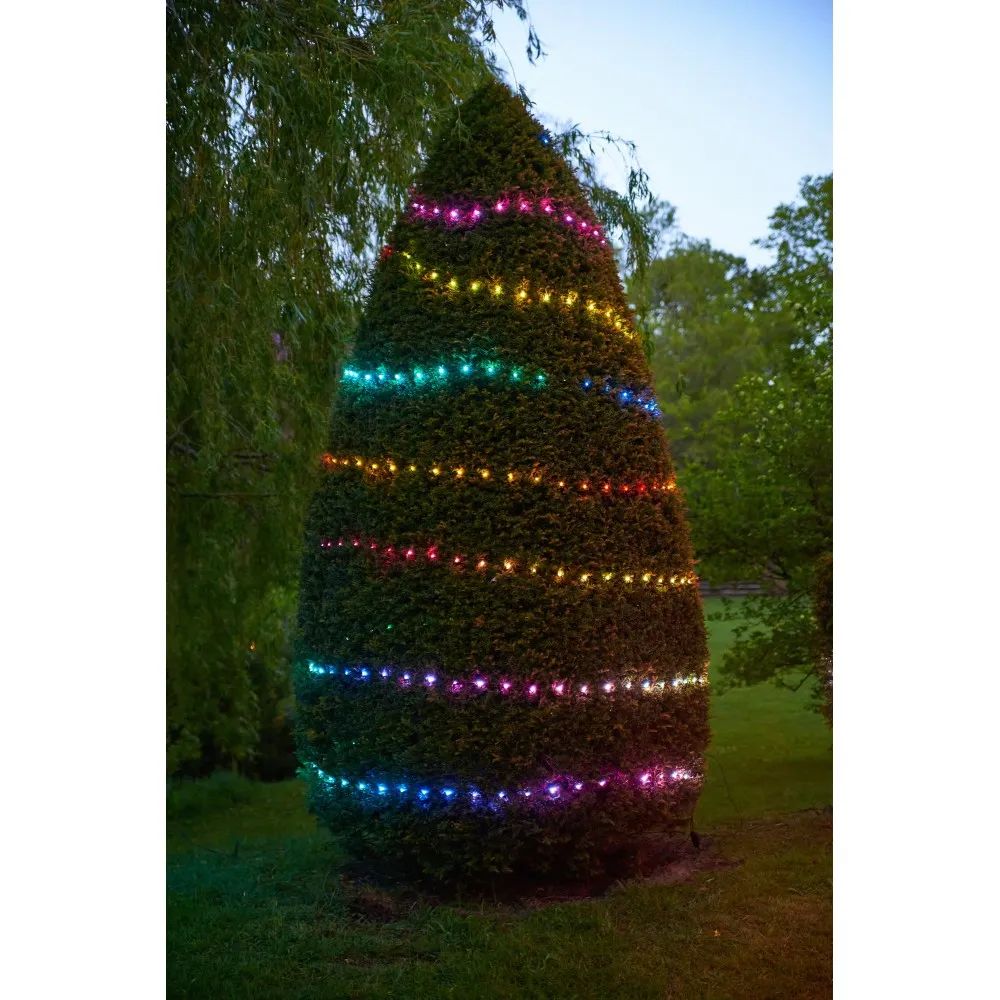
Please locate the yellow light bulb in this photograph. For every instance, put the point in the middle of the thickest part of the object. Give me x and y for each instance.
(584, 577)
(433, 275)
(359, 463)
(453, 283)
(646, 577)
(413, 468)
(627, 577)
(481, 564)
(561, 483)
(460, 473)
(374, 466)
(475, 286)
(392, 466)
(508, 564)
(510, 477)
(498, 289)
(591, 306)
(560, 574)
(546, 296)
(435, 471)
(522, 294)
(534, 569)
(608, 576)
(485, 473)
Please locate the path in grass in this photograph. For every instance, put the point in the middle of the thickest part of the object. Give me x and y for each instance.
(258, 907)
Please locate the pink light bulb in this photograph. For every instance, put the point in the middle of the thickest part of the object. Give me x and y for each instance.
(457, 560)
(454, 213)
(569, 218)
(547, 206)
(603, 782)
(583, 226)
(479, 682)
(644, 778)
(456, 686)
(525, 206)
(578, 785)
(559, 688)
(410, 553)
(584, 689)
(476, 213)
(609, 687)
(505, 685)
(437, 211)
(533, 689)
(501, 205)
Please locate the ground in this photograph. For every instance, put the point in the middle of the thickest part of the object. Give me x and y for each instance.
(259, 905)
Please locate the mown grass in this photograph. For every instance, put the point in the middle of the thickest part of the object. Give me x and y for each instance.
(259, 904)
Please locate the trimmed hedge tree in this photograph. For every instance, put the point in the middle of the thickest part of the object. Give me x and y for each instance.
(502, 652)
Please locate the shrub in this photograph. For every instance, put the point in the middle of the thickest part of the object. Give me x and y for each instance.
(501, 647)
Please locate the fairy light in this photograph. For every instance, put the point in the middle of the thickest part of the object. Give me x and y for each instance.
(604, 313)
(642, 400)
(664, 779)
(483, 683)
(456, 214)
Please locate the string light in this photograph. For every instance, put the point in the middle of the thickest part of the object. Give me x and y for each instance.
(484, 684)
(411, 555)
(522, 295)
(460, 372)
(660, 778)
(465, 214)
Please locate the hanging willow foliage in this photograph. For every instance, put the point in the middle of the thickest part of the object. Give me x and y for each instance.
(292, 130)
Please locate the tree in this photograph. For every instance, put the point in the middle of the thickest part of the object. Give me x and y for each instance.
(292, 130)
(700, 308)
(764, 504)
(501, 649)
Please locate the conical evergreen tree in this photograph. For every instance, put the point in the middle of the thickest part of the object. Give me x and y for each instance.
(502, 650)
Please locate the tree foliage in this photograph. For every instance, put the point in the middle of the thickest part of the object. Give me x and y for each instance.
(463, 532)
(763, 500)
(292, 130)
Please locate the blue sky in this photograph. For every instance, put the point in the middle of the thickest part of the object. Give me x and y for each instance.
(729, 103)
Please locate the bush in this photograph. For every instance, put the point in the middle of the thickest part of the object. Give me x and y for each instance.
(495, 455)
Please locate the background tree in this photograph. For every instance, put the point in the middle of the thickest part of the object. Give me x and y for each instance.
(700, 309)
(763, 501)
(292, 129)
(502, 649)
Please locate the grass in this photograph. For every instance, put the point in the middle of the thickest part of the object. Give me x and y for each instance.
(259, 905)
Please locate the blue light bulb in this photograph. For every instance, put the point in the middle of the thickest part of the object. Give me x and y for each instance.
(448, 792)
(382, 789)
(466, 369)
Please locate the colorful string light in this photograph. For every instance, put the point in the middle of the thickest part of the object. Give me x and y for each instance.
(520, 293)
(558, 788)
(410, 679)
(448, 372)
(464, 214)
(408, 555)
(390, 468)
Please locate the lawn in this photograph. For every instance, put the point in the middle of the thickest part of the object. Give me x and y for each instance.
(259, 905)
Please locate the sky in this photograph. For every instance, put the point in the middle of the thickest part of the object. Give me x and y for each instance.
(729, 103)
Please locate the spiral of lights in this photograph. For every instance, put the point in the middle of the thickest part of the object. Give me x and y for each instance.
(433, 555)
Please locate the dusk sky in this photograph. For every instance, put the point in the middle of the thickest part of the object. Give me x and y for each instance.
(729, 103)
